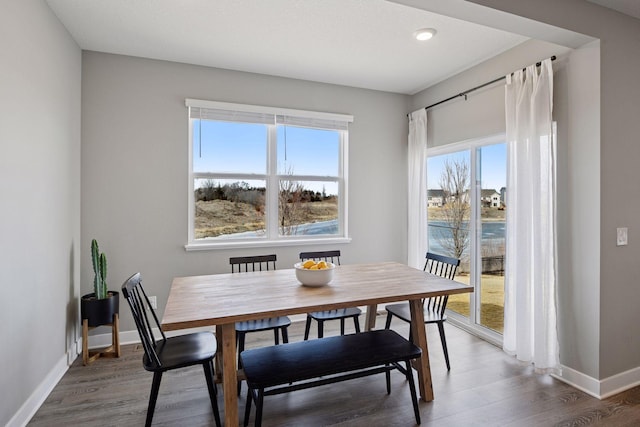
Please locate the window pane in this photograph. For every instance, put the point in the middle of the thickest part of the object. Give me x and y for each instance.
(448, 204)
(229, 147)
(448, 198)
(227, 208)
(305, 151)
(262, 176)
(308, 208)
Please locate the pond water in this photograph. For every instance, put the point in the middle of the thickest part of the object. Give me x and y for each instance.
(493, 235)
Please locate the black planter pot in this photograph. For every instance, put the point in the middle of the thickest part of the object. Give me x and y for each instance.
(99, 311)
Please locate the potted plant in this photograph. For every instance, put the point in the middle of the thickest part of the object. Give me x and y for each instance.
(100, 306)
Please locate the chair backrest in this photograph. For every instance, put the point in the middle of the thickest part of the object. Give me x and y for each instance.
(252, 263)
(329, 256)
(442, 266)
(144, 316)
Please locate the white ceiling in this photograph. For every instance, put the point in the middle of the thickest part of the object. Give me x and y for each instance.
(359, 43)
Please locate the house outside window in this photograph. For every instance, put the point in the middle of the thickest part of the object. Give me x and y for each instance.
(264, 176)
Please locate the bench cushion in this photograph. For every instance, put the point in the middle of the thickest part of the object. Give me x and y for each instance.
(270, 366)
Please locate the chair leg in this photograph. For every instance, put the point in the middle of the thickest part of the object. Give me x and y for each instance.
(356, 324)
(240, 336)
(444, 344)
(285, 335)
(209, 375)
(320, 329)
(259, 402)
(155, 386)
(387, 375)
(307, 327)
(247, 407)
(387, 324)
(412, 389)
(342, 326)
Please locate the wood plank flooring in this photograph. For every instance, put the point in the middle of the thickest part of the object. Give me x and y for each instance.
(485, 387)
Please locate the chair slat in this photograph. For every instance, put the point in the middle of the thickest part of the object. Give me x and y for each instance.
(329, 256)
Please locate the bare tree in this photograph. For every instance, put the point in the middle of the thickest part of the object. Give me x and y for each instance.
(290, 205)
(454, 182)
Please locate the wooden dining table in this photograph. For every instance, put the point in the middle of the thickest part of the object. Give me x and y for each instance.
(221, 300)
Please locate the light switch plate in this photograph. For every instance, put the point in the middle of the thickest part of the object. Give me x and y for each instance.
(622, 236)
(153, 301)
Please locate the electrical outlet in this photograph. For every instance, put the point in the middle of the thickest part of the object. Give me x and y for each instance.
(153, 301)
(622, 236)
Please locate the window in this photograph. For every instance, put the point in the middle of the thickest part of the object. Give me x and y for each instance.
(262, 176)
(469, 223)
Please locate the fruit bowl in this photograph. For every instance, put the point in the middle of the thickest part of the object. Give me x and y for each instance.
(314, 277)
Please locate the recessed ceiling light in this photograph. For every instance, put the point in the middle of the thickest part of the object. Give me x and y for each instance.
(424, 34)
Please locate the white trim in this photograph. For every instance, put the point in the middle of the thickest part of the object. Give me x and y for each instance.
(600, 389)
(620, 382)
(39, 395)
(581, 381)
(343, 187)
(191, 202)
(267, 110)
(231, 244)
(467, 144)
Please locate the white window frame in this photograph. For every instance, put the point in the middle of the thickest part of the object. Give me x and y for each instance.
(271, 178)
(470, 324)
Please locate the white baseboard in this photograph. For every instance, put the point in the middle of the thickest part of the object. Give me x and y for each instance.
(620, 382)
(600, 389)
(40, 394)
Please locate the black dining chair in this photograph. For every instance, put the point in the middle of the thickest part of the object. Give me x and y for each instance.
(434, 308)
(337, 314)
(257, 263)
(165, 354)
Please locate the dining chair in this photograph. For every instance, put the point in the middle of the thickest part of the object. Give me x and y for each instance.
(166, 354)
(337, 314)
(257, 263)
(434, 308)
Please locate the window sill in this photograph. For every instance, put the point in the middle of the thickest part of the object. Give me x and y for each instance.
(212, 246)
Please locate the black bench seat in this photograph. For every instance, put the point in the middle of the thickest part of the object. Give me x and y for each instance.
(295, 366)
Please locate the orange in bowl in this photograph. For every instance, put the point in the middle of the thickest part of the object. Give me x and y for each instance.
(312, 273)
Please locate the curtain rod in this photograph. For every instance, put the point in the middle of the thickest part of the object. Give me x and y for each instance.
(468, 91)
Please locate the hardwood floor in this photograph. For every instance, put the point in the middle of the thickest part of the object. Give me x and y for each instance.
(485, 387)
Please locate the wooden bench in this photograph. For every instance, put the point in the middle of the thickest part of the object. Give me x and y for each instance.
(296, 366)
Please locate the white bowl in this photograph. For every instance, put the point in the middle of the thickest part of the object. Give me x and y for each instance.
(314, 277)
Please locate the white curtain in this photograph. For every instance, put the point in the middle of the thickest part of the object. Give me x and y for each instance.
(417, 197)
(530, 284)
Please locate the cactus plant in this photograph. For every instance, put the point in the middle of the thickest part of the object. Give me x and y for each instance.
(99, 261)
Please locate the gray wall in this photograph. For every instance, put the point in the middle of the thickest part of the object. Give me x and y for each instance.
(134, 171)
(135, 166)
(40, 196)
(576, 102)
(619, 293)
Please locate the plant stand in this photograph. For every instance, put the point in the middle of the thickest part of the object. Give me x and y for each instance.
(112, 351)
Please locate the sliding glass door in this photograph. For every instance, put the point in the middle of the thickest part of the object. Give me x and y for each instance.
(466, 219)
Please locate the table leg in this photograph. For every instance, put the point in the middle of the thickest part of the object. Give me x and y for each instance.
(218, 360)
(229, 375)
(419, 333)
(372, 312)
